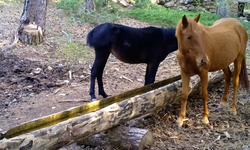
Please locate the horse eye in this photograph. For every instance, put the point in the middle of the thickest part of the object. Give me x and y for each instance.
(189, 37)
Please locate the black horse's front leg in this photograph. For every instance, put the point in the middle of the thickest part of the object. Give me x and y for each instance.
(92, 83)
(151, 72)
(94, 71)
(100, 82)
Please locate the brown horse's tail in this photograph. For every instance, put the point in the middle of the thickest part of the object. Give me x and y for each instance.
(243, 75)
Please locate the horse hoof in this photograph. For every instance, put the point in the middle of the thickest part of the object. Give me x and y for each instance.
(205, 121)
(104, 95)
(93, 99)
(179, 123)
(220, 106)
(234, 113)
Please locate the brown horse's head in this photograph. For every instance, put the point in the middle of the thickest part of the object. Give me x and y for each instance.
(189, 33)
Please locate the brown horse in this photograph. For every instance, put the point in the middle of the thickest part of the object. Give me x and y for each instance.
(203, 49)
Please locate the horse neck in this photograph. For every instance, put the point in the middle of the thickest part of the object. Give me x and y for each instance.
(204, 30)
(205, 36)
(168, 33)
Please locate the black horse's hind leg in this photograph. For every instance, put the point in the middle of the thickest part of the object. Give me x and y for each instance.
(151, 72)
(99, 76)
(101, 57)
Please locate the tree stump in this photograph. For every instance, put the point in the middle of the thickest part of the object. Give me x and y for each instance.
(31, 34)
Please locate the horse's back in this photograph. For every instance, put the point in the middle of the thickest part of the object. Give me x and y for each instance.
(145, 39)
(107, 35)
(137, 45)
(230, 28)
(144, 44)
(229, 24)
(141, 37)
(229, 21)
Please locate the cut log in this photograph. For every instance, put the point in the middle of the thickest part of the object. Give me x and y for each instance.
(82, 127)
(31, 34)
(122, 137)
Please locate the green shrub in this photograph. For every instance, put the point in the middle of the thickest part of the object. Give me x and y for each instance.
(75, 8)
(72, 51)
(70, 5)
(168, 17)
(145, 4)
(4, 2)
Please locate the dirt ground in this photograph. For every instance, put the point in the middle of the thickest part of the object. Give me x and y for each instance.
(34, 82)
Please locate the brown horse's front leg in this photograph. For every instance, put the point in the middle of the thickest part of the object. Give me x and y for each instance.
(204, 79)
(185, 78)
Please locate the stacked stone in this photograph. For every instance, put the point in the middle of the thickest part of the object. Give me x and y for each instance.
(197, 5)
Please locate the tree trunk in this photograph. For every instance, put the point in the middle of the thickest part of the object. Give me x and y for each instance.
(105, 3)
(90, 5)
(84, 126)
(223, 9)
(122, 137)
(241, 6)
(32, 22)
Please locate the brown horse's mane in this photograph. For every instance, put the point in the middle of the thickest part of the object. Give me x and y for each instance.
(178, 29)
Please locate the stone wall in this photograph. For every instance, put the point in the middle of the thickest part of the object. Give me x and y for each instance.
(198, 5)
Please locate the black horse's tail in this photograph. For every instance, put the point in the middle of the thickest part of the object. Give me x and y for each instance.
(102, 36)
(89, 38)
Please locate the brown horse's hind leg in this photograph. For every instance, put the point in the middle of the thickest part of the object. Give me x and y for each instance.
(237, 69)
(227, 76)
(185, 85)
(204, 79)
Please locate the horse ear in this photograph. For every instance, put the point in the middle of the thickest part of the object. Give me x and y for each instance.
(184, 21)
(197, 18)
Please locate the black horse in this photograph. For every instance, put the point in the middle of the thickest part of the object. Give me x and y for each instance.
(148, 45)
